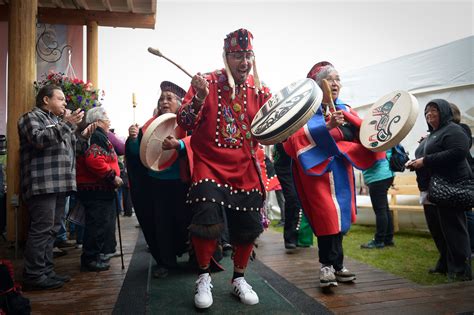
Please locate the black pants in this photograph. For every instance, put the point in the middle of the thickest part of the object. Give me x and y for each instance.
(383, 218)
(170, 220)
(127, 201)
(330, 251)
(281, 203)
(292, 203)
(99, 212)
(448, 228)
(110, 243)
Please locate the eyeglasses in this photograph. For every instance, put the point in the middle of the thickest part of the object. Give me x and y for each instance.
(240, 56)
(331, 80)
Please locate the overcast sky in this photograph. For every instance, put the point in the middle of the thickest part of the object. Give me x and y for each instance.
(289, 37)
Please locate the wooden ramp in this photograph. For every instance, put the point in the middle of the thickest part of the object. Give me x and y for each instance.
(374, 291)
(87, 292)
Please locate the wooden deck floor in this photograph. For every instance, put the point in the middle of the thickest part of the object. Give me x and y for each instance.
(87, 292)
(374, 292)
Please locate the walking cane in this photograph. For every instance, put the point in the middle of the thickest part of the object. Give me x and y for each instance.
(118, 226)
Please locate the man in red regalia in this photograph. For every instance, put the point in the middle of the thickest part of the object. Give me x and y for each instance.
(219, 108)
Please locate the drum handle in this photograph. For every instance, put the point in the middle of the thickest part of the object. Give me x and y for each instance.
(327, 95)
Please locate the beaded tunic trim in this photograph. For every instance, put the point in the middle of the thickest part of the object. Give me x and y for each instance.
(225, 195)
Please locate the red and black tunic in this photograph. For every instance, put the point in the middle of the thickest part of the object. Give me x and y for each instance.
(225, 170)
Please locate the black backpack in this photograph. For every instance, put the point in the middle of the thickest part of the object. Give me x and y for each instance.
(398, 159)
(11, 299)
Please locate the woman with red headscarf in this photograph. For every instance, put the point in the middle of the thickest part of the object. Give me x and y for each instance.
(325, 151)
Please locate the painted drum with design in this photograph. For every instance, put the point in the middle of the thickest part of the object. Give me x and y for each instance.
(388, 121)
(151, 153)
(286, 111)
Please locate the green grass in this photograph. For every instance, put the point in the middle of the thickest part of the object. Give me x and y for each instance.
(411, 258)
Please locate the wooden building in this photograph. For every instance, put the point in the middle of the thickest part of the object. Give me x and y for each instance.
(22, 17)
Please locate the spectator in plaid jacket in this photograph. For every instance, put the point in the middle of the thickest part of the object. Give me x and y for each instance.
(48, 173)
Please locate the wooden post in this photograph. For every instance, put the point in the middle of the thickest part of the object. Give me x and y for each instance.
(93, 53)
(21, 95)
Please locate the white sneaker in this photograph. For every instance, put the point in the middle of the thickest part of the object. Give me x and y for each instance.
(244, 291)
(344, 275)
(203, 295)
(327, 278)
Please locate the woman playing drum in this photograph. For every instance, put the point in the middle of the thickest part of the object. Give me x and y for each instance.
(325, 150)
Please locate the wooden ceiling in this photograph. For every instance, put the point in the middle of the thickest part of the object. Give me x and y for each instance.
(116, 13)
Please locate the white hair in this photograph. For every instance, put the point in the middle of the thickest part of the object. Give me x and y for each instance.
(95, 114)
(324, 73)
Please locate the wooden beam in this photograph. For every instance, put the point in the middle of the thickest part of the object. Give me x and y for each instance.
(93, 53)
(82, 4)
(21, 96)
(130, 6)
(103, 18)
(107, 5)
(58, 4)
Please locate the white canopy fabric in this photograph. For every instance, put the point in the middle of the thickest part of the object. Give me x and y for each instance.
(442, 72)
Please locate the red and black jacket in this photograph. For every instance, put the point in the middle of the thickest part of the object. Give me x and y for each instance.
(97, 166)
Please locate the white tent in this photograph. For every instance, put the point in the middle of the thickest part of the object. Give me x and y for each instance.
(442, 72)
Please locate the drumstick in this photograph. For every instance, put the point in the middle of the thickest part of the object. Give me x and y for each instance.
(156, 51)
(134, 104)
(327, 94)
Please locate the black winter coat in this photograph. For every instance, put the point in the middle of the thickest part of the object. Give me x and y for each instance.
(444, 150)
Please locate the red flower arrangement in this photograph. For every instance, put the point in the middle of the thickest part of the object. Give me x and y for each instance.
(78, 93)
